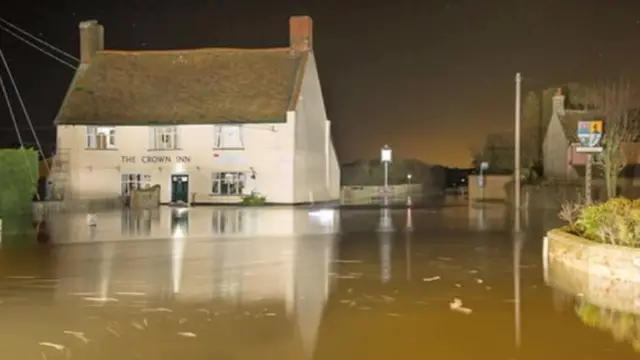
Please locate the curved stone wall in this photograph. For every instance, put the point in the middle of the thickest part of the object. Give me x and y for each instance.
(601, 260)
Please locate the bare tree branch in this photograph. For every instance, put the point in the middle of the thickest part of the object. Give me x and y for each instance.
(613, 103)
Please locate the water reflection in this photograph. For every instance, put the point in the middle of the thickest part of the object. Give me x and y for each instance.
(281, 286)
(204, 222)
(131, 290)
(607, 304)
(229, 221)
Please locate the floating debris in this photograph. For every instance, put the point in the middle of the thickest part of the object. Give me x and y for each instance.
(488, 287)
(393, 314)
(112, 331)
(100, 299)
(444, 258)
(207, 312)
(456, 305)
(161, 309)
(479, 281)
(270, 314)
(388, 298)
(474, 271)
(78, 334)
(187, 334)
(458, 285)
(433, 278)
(137, 325)
(58, 347)
(182, 321)
(364, 308)
(127, 293)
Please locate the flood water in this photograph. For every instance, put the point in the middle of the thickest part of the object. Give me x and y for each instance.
(295, 283)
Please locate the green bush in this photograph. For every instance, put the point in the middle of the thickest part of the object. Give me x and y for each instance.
(18, 180)
(615, 222)
(254, 200)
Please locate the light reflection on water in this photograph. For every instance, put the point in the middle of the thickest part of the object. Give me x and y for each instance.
(284, 283)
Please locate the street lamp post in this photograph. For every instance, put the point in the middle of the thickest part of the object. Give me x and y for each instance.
(385, 218)
(517, 154)
(385, 158)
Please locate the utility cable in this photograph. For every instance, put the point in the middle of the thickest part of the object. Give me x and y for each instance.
(11, 113)
(24, 108)
(37, 48)
(37, 39)
(15, 125)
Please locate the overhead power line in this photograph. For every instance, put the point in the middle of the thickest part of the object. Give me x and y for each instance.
(23, 106)
(11, 113)
(21, 38)
(37, 39)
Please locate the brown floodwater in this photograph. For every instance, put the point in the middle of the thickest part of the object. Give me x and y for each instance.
(280, 283)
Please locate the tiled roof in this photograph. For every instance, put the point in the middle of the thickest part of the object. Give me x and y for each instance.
(569, 122)
(214, 85)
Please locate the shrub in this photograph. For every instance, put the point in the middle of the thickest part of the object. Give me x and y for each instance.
(615, 222)
(18, 180)
(254, 200)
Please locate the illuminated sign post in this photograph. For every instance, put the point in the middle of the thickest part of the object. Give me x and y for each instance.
(590, 134)
(385, 159)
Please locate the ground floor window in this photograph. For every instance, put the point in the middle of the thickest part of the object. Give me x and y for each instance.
(130, 182)
(228, 221)
(228, 183)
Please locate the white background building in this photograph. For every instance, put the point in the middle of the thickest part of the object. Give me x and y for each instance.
(207, 125)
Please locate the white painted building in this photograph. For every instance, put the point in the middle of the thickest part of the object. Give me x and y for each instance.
(207, 125)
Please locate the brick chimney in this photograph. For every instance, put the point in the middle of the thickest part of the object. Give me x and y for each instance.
(558, 103)
(301, 33)
(91, 40)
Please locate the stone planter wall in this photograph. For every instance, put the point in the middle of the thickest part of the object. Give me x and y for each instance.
(604, 292)
(601, 260)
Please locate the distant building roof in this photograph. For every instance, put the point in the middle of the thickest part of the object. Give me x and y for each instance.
(212, 85)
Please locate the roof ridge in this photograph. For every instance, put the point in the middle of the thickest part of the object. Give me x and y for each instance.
(197, 50)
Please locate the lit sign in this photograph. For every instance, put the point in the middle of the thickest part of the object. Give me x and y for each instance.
(153, 159)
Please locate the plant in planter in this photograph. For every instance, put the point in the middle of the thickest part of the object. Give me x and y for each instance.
(254, 199)
(615, 222)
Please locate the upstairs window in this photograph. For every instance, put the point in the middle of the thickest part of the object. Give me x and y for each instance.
(101, 138)
(164, 138)
(228, 137)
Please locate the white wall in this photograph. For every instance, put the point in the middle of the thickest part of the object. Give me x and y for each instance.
(314, 165)
(95, 174)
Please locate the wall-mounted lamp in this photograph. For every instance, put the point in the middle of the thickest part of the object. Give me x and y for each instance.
(253, 173)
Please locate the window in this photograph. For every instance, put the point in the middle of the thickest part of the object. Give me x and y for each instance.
(101, 138)
(228, 137)
(228, 183)
(164, 138)
(227, 221)
(130, 182)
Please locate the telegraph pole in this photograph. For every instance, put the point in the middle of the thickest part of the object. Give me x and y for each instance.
(517, 186)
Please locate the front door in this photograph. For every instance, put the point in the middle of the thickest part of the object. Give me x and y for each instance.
(180, 188)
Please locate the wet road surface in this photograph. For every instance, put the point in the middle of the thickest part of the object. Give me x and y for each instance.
(284, 283)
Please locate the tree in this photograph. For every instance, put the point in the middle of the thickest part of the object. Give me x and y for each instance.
(612, 102)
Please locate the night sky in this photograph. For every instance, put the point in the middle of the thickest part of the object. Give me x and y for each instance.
(431, 78)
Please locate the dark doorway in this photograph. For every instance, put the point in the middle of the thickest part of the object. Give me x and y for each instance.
(179, 188)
